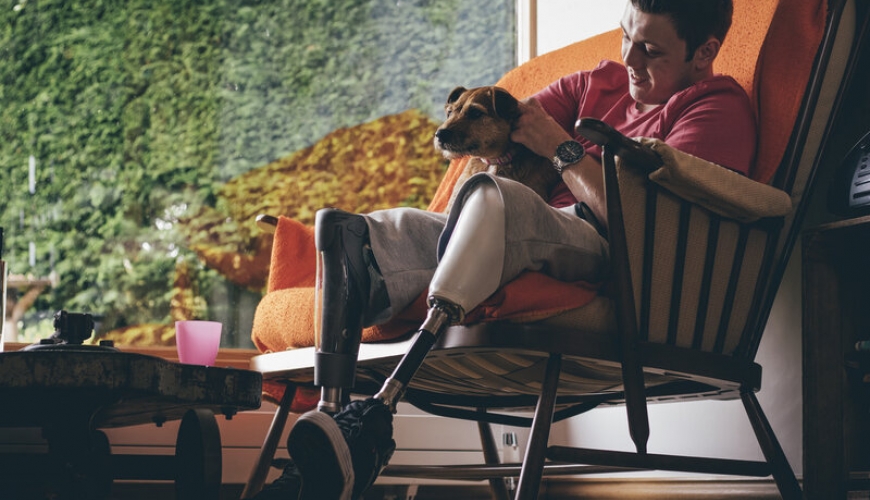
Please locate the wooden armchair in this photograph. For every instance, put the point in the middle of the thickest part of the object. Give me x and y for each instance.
(696, 269)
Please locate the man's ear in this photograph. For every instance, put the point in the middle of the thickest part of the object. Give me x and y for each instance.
(707, 52)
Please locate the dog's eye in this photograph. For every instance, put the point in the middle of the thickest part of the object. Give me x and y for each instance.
(473, 113)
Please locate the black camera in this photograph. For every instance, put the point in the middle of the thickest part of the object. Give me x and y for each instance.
(72, 328)
(70, 331)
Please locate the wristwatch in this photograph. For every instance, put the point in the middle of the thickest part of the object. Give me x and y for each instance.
(568, 153)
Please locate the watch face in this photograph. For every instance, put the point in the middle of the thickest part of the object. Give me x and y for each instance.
(570, 152)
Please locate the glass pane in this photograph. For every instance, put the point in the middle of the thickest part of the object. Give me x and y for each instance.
(562, 22)
(139, 139)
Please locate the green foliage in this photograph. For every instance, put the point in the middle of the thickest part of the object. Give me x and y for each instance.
(135, 110)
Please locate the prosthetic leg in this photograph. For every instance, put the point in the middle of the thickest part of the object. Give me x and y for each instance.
(469, 271)
(342, 297)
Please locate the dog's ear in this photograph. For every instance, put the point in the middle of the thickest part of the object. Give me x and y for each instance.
(504, 104)
(454, 94)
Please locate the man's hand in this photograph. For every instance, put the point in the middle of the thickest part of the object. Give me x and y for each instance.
(537, 130)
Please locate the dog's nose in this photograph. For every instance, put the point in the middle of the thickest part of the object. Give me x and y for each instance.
(444, 135)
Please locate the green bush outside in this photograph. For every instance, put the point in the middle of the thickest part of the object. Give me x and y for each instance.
(136, 110)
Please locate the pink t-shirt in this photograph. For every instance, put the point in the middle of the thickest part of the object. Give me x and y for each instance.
(712, 119)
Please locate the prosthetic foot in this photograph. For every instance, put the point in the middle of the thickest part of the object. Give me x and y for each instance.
(345, 271)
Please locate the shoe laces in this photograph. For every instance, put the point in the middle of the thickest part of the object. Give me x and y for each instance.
(367, 426)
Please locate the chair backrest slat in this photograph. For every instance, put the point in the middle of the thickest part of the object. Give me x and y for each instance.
(679, 271)
(706, 277)
(725, 320)
(663, 262)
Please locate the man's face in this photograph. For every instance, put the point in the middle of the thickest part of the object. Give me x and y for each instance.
(654, 56)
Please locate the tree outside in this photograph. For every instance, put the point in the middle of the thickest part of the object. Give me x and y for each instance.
(128, 127)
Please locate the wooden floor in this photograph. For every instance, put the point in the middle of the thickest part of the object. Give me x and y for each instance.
(594, 489)
(554, 489)
(562, 489)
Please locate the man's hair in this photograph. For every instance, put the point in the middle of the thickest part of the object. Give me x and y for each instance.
(695, 20)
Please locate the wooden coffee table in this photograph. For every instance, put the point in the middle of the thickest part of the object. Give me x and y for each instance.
(73, 392)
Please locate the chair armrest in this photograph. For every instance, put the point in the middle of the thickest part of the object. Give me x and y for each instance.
(718, 189)
(629, 150)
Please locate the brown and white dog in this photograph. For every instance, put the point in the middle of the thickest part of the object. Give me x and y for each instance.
(479, 123)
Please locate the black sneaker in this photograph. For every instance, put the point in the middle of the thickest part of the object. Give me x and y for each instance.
(367, 427)
(318, 448)
(361, 433)
(286, 487)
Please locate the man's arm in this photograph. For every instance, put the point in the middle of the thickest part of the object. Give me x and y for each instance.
(539, 132)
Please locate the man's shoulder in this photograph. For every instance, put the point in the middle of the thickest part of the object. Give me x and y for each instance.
(607, 65)
(714, 120)
(611, 70)
(606, 70)
(608, 78)
(717, 87)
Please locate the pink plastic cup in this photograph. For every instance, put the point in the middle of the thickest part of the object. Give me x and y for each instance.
(197, 341)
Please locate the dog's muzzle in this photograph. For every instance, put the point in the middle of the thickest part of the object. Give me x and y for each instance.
(444, 139)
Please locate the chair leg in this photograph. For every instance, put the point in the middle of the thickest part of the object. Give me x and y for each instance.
(490, 456)
(626, 319)
(782, 472)
(533, 463)
(267, 453)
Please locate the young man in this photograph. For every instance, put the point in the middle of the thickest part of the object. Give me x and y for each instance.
(382, 261)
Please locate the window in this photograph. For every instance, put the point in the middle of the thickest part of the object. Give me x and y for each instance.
(138, 139)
